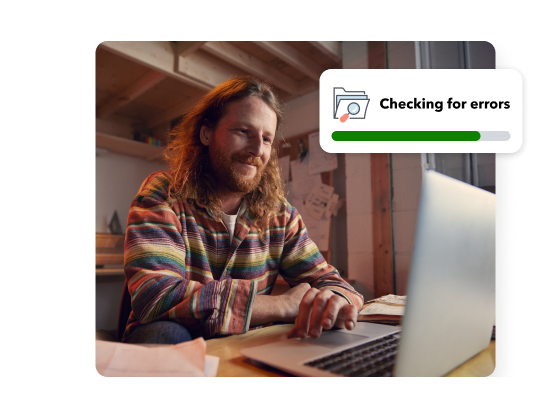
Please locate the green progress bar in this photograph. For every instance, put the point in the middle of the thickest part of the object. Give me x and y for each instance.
(406, 136)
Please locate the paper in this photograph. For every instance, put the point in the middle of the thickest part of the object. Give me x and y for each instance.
(332, 206)
(301, 186)
(395, 299)
(127, 360)
(317, 200)
(302, 182)
(383, 309)
(320, 161)
(318, 231)
(385, 305)
(211, 365)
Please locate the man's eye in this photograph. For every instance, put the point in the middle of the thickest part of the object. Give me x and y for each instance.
(244, 131)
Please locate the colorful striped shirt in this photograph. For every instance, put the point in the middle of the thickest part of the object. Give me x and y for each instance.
(181, 266)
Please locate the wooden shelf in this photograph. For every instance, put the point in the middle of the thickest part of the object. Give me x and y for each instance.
(128, 147)
(109, 272)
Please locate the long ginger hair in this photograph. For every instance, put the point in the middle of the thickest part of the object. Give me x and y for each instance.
(188, 159)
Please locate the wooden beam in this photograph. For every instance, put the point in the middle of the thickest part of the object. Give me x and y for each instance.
(376, 54)
(157, 55)
(185, 48)
(245, 61)
(293, 57)
(331, 49)
(204, 67)
(130, 93)
(383, 254)
(306, 86)
(215, 71)
(383, 257)
(171, 113)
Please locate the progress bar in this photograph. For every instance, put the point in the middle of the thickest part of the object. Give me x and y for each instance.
(421, 136)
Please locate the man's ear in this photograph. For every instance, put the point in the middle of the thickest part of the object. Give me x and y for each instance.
(205, 135)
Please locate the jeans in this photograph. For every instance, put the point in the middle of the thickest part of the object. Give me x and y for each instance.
(162, 332)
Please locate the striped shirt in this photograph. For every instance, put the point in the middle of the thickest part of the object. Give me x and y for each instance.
(181, 266)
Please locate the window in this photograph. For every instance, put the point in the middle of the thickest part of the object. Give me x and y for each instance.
(476, 169)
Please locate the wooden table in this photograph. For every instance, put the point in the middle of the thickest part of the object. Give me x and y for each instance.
(234, 364)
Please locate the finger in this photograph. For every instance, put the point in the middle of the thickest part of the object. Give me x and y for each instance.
(293, 332)
(347, 317)
(325, 309)
(331, 311)
(351, 317)
(318, 310)
(304, 312)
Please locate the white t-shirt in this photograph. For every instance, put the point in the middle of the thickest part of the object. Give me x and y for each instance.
(230, 220)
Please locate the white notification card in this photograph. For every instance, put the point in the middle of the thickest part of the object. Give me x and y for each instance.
(471, 111)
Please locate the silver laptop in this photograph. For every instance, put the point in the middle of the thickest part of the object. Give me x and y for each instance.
(450, 309)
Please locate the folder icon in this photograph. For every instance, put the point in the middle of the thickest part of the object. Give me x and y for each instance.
(353, 103)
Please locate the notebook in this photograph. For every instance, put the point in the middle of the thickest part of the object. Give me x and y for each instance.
(450, 308)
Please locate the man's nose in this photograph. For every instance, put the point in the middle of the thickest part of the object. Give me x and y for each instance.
(255, 145)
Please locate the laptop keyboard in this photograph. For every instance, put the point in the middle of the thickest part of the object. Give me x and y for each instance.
(375, 358)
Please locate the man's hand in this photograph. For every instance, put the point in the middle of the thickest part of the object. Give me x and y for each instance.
(292, 299)
(282, 308)
(322, 309)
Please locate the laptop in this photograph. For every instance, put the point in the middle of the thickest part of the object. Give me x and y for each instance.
(450, 309)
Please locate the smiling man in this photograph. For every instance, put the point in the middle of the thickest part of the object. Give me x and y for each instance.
(206, 240)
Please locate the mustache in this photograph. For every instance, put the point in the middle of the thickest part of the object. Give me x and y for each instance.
(248, 159)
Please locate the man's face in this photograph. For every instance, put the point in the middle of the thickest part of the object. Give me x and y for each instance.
(241, 143)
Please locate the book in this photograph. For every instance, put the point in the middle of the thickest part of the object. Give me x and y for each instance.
(387, 309)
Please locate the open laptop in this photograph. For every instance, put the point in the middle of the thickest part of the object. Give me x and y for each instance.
(450, 309)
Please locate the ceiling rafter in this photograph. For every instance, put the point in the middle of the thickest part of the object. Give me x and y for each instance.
(172, 113)
(131, 92)
(184, 48)
(157, 55)
(205, 64)
(245, 61)
(331, 49)
(202, 66)
(293, 57)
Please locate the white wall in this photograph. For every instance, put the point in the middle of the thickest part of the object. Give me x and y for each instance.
(118, 178)
(301, 114)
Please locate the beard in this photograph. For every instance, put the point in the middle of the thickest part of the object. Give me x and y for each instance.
(229, 177)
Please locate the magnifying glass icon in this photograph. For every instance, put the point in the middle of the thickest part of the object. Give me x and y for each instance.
(353, 109)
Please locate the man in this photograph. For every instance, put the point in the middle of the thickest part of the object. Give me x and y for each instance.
(206, 241)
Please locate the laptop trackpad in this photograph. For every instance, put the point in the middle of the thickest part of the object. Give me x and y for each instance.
(334, 339)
